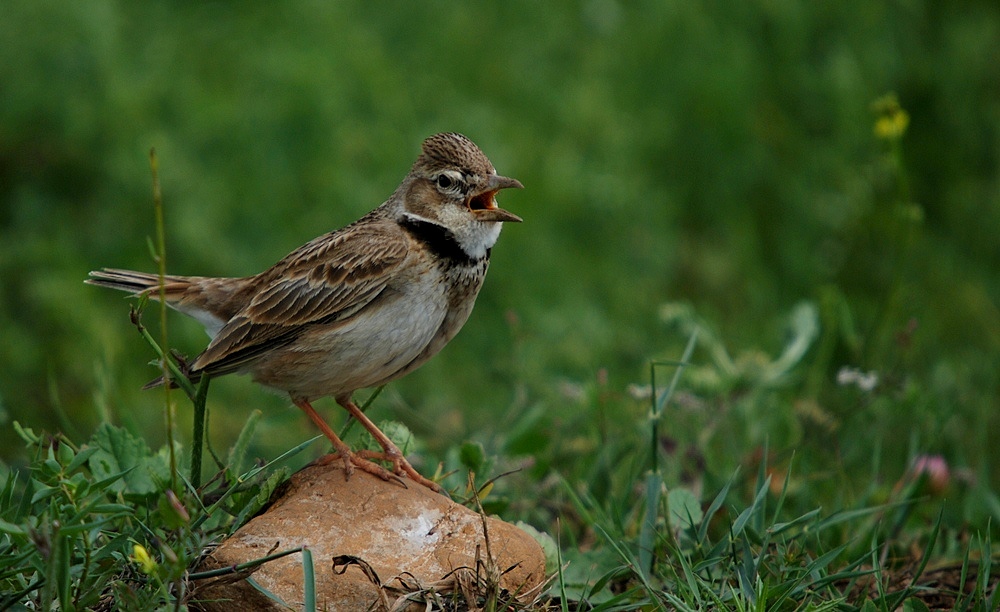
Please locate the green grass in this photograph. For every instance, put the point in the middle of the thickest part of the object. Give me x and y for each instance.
(87, 525)
(735, 170)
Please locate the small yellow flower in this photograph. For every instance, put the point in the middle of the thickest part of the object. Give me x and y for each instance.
(892, 127)
(892, 120)
(141, 556)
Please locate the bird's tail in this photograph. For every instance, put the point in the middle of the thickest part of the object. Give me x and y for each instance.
(138, 282)
(211, 301)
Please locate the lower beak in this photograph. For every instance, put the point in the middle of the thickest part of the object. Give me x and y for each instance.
(496, 214)
(484, 205)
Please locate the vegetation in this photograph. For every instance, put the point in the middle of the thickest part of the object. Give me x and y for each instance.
(806, 196)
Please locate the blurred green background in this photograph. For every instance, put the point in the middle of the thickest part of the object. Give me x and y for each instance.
(712, 153)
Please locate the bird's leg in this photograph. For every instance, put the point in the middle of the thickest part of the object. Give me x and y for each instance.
(391, 452)
(351, 460)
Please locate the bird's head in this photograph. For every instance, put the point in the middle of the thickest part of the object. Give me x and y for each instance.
(454, 185)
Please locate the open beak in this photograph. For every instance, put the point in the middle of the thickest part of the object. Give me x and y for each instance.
(484, 204)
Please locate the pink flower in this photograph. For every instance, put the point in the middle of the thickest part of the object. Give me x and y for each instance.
(936, 470)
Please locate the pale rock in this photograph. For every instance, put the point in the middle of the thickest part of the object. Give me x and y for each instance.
(411, 538)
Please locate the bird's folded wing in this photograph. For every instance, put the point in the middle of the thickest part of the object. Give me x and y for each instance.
(328, 280)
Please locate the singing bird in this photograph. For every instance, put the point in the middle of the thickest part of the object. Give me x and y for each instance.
(357, 307)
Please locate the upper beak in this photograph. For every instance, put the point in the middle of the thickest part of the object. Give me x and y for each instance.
(484, 206)
(496, 183)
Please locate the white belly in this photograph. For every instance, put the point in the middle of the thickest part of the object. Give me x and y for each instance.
(369, 349)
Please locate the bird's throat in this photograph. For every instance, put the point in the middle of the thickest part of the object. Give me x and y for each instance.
(441, 241)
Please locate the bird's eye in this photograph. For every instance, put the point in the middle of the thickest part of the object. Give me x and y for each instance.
(444, 181)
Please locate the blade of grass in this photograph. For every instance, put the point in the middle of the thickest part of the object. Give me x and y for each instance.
(986, 569)
(962, 603)
(750, 511)
(631, 562)
(658, 405)
(267, 593)
(780, 528)
(232, 569)
(714, 507)
(250, 474)
(692, 580)
(200, 427)
(309, 579)
(763, 483)
(62, 554)
(877, 572)
(647, 534)
(926, 557)
(563, 604)
(746, 567)
(239, 450)
(160, 257)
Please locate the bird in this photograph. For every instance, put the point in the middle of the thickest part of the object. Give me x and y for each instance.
(359, 306)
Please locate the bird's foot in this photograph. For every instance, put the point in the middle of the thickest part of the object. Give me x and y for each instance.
(400, 466)
(359, 460)
(390, 452)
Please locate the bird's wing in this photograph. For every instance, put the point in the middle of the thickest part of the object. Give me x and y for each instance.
(327, 280)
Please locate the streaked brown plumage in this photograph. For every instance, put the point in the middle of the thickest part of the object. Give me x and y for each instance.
(357, 307)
